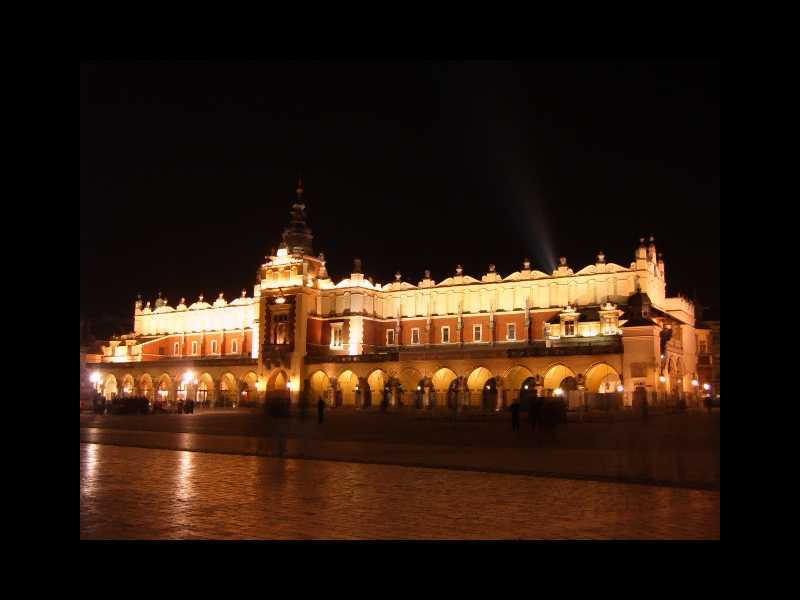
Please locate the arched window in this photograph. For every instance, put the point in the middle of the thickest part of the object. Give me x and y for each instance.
(235, 346)
(213, 346)
(194, 347)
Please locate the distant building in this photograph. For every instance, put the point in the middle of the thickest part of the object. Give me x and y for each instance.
(708, 353)
(605, 332)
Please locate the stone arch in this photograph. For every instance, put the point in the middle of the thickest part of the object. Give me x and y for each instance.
(347, 382)
(278, 380)
(228, 391)
(128, 387)
(476, 381)
(514, 380)
(109, 386)
(556, 374)
(320, 386)
(165, 393)
(602, 378)
(248, 392)
(375, 390)
(477, 378)
(445, 383)
(204, 394)
(408, 379)
(442, 379)
(146, 387)
(516, 375)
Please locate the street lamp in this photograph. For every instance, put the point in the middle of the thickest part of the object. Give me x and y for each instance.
(695, 383)
(558, 392)
(706, 386)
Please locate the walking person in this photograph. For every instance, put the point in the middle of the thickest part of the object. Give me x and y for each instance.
(320, 411)
(515, 415)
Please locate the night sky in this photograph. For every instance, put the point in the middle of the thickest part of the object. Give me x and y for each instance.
(188, 170)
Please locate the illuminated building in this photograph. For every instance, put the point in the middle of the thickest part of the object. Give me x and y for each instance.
(602, 334)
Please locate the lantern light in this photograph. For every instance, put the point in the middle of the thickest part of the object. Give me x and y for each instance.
(280, 300)
(558, 392)
(695, 383)
(662, 379)
(95, 378)
(706, 387)
(620, 388)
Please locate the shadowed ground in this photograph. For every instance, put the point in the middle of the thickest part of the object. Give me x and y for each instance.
(674, 450)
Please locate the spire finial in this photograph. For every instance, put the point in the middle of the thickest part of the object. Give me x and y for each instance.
(299, 189)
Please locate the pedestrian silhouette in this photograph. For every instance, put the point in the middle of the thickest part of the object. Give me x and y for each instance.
(515, 415)
(320, 411)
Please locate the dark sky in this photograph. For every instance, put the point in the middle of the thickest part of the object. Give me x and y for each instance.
(188, 169)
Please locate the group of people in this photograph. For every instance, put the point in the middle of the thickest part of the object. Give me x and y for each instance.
(542, 414)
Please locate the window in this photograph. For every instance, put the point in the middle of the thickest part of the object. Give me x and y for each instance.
(389, 337)
(703, 347)
(213, 346)
(336, 335)
(415, 335)
(476, 333)
(511, 331)
(445, 335)
(176, 349)
(161, 350)
(609, 325)
(569, 327)
(194, 347)
(235, 346)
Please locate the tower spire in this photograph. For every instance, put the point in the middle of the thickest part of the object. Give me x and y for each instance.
(297, 236)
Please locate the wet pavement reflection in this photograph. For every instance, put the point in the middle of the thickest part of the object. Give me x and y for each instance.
(141, 493)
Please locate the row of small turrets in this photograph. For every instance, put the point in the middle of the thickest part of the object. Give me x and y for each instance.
(220, 301)
(648, 258)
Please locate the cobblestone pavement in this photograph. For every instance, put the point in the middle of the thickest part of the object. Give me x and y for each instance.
(137, 493)
(675, 450)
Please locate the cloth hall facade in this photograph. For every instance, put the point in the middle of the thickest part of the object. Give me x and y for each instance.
(605, 333)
